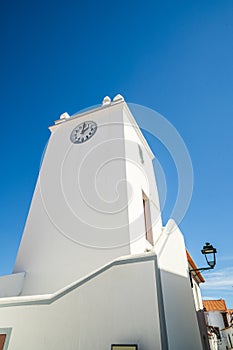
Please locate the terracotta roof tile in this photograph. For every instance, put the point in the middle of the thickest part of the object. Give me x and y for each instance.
(215, 305)
(195, 274)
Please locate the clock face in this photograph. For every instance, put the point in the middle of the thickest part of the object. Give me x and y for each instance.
(83, 132)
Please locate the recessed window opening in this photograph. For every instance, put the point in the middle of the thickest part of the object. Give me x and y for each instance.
(4, 338)
(147, 218)
(124, 347)
(224, 316)
(2, 341)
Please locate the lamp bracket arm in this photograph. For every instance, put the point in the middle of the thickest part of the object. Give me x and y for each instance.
(202, 269)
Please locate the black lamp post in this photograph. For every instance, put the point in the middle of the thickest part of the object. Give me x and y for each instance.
(210, 254)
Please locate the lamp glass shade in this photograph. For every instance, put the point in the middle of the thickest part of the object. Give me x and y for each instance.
(209, 251)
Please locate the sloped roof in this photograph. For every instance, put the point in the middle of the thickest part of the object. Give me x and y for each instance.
(197, 276)
(230, 311)
(215, 305)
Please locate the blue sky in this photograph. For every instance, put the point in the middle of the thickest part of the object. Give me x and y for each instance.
(175, 57)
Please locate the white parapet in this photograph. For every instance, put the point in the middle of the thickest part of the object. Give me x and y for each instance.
(11, 285)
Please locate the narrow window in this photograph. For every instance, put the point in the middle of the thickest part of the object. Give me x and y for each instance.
(4, 338)
(141, 154)
(217, 332)
(147, 219)
(225, 321)
(2, 341)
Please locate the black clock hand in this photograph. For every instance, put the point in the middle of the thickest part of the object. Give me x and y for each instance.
(83, 128)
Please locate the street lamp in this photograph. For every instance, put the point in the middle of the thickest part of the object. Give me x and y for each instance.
(210, 255)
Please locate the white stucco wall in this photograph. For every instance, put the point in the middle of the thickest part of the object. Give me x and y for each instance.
(141, 177)
(197, 296)
(228, 337)
(11, 285)
(215, 319)
(78, 218)
(82, 205)
(117, 306)
(180, 313)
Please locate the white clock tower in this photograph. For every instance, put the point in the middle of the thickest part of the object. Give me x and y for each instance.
(95, 269)
(95, 199)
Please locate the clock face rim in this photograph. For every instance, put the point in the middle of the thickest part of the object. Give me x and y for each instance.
(86, 139)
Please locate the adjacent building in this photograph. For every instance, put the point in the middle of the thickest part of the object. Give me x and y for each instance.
(219, 324)
(196, 279)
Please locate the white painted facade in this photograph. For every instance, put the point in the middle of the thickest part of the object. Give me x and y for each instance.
(197, 296)
(140, 176)
(195, 279)
(177, 294)
(89, 276)
(227, 335)
(215, 319)
(110, 306)
(73, 217)
(11, 285)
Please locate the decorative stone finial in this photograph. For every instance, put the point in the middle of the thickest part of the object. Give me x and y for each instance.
(64, 116)
(118, 98)
(106, 101)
